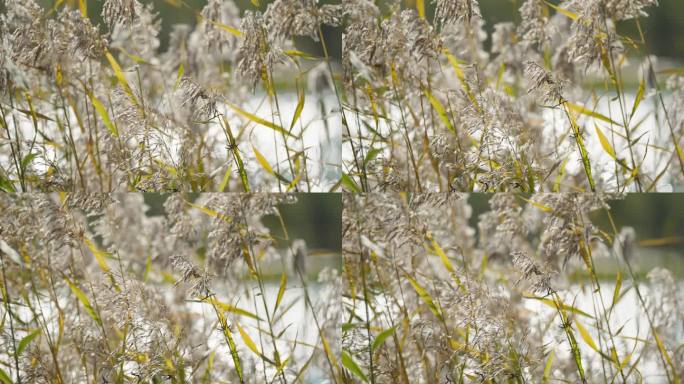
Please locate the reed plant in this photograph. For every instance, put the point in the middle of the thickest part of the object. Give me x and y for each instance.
(229, 104)
(97, 289)
(559, 101)
(430, 299)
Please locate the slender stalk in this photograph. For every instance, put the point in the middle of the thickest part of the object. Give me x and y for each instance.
(8, 311)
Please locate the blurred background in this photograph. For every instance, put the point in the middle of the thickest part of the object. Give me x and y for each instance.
(657, 218)
(664, 28)
(315, 218)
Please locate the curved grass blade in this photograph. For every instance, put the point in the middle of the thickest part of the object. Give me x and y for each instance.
(100, 257)
(381, 337)
(577, 133)
(563, 11)
(102, 111)
(349, 183)
(298, 110)
(616, 292)
(586, 336)
(604, 142)
(639, 97)
(210, 212)
(262, 161)
(581, 110)
(294, 182)
(98, 254)
(445, 260)
(563, 306)
(24, 343)
(84, 300)
(181, 70)
(248, 340)
(349, 363)
(118, 73)
(231, 343)
(461, 78)
(233, 31)
(425, 296)
(281, 291)
(231, 308)
(441, 112)
(4, 377)
(259, 120)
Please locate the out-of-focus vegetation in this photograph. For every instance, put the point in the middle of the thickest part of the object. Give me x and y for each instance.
(664, 27)
(210, 97)
(316, 218)
(657, 219)
(96, 288)
(540, 293)
(173, 12)
(653, 216)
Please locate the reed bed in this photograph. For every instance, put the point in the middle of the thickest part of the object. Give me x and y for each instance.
(230, 104)
(95, 289)
(428, 299)
(559, 101)
(558, 113)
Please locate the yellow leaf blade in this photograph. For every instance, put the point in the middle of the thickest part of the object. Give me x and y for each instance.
(425, 296)
(535, 204)
(234, 31)
(224, 307)
(118, 73)
(586, 336)
(181, 70)
(102, 111)
(420, 7)
(547, 367)
(81, 296)
(294, 182)
(210, 212)
(437, 105)
(616, 292)
(604, 142)
(83, 7)
(281, 291)
(258, 120)
(581, 110)
(298, 110)
(563, 11)
(248, 340)
(639, 96)
(262, 161)
(98, 254)
(461, 78)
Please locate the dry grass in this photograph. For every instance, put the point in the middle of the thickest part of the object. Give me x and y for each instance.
(437, 104)
(229, 105)
(97, 290)
(426, 301)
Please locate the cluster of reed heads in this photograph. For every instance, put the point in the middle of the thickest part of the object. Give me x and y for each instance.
(430, 299)
(97, 289)
(102, 108)
(559, 101)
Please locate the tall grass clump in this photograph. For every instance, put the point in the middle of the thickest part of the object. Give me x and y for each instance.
(230, 104)
(537, 294)
(558, 101)
(97, 289)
